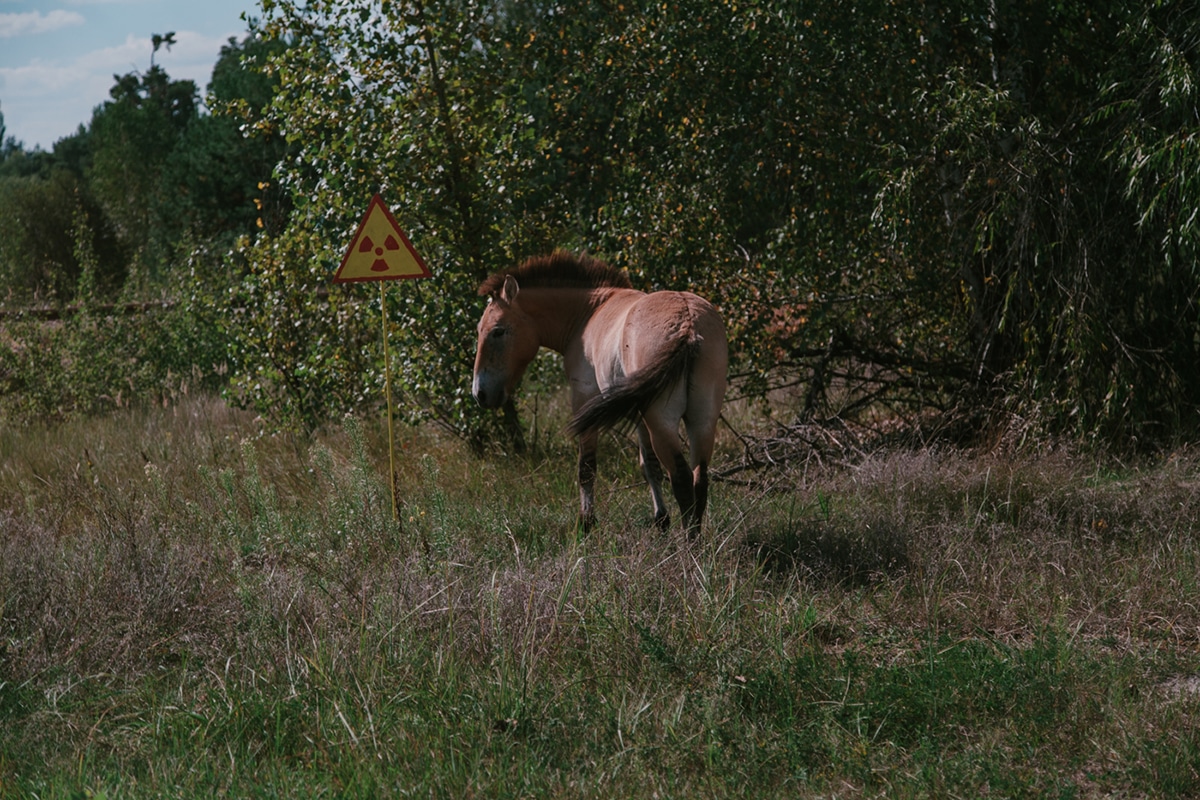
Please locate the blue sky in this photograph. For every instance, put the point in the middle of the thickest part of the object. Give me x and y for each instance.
(58, 57)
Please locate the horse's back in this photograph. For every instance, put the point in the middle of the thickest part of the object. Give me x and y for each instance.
(633, 332)
(662, 321)
(659, 319)
(683, 315)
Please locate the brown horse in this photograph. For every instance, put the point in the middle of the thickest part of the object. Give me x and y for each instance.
(649, 359)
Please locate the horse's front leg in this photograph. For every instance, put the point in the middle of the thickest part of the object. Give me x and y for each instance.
(587, 479)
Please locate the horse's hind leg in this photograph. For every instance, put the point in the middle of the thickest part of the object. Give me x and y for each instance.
(700, 487)
(652, 470)
(701, 425)
(685, 493)
(664, 438)
(587, 479)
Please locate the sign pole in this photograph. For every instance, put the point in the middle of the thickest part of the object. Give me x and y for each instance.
(387, 382)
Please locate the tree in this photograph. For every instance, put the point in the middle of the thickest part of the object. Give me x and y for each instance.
(9, 146)
(400, 99)
(46, 212)
(1028, 185)
(718, 147)
(132, 138)
(909, 206)
(217, 183)
(41, 222)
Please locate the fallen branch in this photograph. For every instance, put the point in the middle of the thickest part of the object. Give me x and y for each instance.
(53, 313)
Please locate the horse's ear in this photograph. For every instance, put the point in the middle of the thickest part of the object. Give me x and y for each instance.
(508, 294)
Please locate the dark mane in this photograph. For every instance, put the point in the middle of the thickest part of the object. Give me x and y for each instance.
(560, 270)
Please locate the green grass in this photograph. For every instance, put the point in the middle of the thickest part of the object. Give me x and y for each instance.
(189, 608)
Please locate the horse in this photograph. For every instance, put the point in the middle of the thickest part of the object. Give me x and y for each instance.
(650, 360)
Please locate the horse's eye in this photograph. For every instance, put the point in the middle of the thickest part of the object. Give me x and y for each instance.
(498, 333)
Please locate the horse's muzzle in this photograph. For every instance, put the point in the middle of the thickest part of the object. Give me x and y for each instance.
(487, 392)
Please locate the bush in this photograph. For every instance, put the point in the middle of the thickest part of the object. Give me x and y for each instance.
(43, 222)
(92, 357)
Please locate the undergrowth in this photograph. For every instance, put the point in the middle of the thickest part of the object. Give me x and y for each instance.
(190, 607)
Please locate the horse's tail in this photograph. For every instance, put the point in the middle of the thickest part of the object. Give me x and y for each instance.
(625, 400)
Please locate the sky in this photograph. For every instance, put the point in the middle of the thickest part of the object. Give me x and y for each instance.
(58, 57)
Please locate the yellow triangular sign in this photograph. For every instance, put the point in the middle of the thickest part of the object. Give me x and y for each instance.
(380, 251)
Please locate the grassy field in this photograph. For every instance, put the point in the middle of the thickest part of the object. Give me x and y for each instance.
(188, 608)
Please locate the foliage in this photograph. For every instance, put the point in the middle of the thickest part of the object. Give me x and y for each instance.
(38, 253)
(428, 151)
(217, 184)
(907, 208)
(103, 356)
(746, 152)
(132, 137)
(149, 182)
(1153, 94)
(299, 351)
(727, 148)
(518, 130)
(1037, 186)
(94, 364)
(156, 177)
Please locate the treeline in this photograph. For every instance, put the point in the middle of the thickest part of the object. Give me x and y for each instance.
(138, 185)
(101, 236)
(987, 211)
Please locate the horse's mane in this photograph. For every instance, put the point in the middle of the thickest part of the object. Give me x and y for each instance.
(559, 270)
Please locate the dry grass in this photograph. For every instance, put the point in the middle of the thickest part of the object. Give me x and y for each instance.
(188, 607)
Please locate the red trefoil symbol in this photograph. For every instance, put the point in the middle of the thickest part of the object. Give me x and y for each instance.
(379, 265)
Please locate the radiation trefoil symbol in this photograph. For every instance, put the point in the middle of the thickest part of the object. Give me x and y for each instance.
(380, 264)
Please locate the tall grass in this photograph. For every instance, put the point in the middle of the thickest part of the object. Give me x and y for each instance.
(188, 607)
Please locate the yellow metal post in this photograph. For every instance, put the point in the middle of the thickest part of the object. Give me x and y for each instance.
(387, 382)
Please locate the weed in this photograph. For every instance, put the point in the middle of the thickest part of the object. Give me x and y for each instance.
(188, 606)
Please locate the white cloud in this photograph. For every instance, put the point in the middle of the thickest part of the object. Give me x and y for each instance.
(51, 97)
(44, 101)
(192, 57)
(132, 54)
(36, 22)
(81, 75)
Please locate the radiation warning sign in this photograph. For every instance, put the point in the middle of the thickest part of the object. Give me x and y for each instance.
(380, 251)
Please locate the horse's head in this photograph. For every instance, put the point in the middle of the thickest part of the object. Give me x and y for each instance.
(508, 341)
